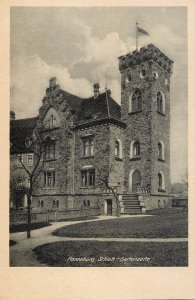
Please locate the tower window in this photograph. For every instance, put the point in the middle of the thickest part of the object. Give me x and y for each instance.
(128, 79)
(135, 150)
(160, 103)
(161, 150)
(136, 101)
(161, 182)
(143, 73)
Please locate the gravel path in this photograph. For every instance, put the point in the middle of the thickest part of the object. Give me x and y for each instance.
(22, 253)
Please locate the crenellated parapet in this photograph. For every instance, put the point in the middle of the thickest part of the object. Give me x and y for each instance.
(147, 53)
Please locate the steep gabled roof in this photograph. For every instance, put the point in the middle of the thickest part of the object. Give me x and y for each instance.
(99, 108)
(19, 131)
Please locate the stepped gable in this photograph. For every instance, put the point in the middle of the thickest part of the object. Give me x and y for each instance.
(149, 52)
(102, 107)
(20, 130)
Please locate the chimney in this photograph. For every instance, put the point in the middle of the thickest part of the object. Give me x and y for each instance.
(12, 115)
(96, 90)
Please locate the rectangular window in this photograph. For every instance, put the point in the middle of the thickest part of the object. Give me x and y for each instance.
(84, 178)
(88, 178)
(88, 146)
(30, 160)
(20, 159)
(49, 179)
(91, 177)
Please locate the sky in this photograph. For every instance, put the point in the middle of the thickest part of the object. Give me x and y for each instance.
(81, 46)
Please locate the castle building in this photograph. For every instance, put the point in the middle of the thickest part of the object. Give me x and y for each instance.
(95, 139)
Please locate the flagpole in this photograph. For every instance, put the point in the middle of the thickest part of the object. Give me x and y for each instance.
(137, 36)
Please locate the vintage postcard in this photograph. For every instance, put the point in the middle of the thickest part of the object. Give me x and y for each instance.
(99, 180)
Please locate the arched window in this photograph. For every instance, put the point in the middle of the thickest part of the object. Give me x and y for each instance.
(161, 182)
(51, 119)
(118, 149)
(136, 101)
(161, 150)
(160, 102)
(135, 149)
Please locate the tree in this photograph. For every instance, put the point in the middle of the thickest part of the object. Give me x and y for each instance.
(104, 183)
(38, 143)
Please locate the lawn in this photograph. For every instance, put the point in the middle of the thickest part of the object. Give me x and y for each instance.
(112, 254)
(166, 223)
(23, 227)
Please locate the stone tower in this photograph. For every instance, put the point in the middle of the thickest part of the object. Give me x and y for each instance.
(145, 108)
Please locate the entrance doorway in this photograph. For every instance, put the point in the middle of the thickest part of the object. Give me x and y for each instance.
(109, 207)
(134, 181)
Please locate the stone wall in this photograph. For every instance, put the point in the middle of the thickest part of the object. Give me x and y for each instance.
(157, 201)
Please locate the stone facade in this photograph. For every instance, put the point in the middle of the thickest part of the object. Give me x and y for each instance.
(95, 138)
(148, 71)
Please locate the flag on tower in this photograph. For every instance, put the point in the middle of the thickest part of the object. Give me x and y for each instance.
(139, 31)
(142, 31)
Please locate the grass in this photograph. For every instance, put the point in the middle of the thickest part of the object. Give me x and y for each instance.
(115, 254)
(23, 227)
(165, 223)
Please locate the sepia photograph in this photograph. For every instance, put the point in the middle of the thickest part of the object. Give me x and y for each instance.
(98, 136)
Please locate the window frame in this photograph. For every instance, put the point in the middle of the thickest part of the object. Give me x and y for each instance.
(49, 179)
(161, 152)
(88, 146)
(50, 151)
(118, 149)
(135, 150)
(136, 100)
(88, 178)
(161, 182)
(160, 102)
(30, 164)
